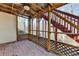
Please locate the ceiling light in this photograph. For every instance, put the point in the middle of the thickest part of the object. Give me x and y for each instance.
(26, 7)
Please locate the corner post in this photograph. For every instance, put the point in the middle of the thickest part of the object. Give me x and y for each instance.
(38, 28)
(17, 27)
(49, 29)
(29, 28)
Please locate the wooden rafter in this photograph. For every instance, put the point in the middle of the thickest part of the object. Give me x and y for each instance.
(38, 7)
(2, 4)
(53, 6)
(8, 8)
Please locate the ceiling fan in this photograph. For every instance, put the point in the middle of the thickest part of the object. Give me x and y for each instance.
(24, 9)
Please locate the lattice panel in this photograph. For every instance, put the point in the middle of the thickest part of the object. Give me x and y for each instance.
(42, 42)
(61, 48)
(34, 38)
(65, 49)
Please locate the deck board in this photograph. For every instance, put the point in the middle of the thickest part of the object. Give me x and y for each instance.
(23, 48)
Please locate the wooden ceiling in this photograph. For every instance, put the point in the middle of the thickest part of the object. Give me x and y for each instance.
(36, 9)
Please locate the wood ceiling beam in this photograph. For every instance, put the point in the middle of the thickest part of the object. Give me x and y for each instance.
(3, 9)
(19, 9)
(41, 10)
(35, 6)
(7, 10)
(14, 10)
(54, 6)
(32, 11)
(2, 4)
(38, 6)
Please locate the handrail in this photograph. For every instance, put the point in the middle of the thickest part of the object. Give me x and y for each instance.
(72, 24)
(71, 15)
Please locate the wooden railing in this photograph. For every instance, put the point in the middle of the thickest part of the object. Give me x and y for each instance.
(66, 22)
(64, 49)
(71, 21)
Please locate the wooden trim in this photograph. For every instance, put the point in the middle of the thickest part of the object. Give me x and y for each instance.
(7, 43)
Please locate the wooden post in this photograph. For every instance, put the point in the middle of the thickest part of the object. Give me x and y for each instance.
(32, 28)
(29, 27)
(37, 29)
(49, 29)
(77, 25)
(55, 37)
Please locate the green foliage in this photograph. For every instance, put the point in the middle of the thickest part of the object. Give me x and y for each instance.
(21, 32)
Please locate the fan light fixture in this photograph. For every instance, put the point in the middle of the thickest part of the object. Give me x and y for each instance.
(26, 7)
